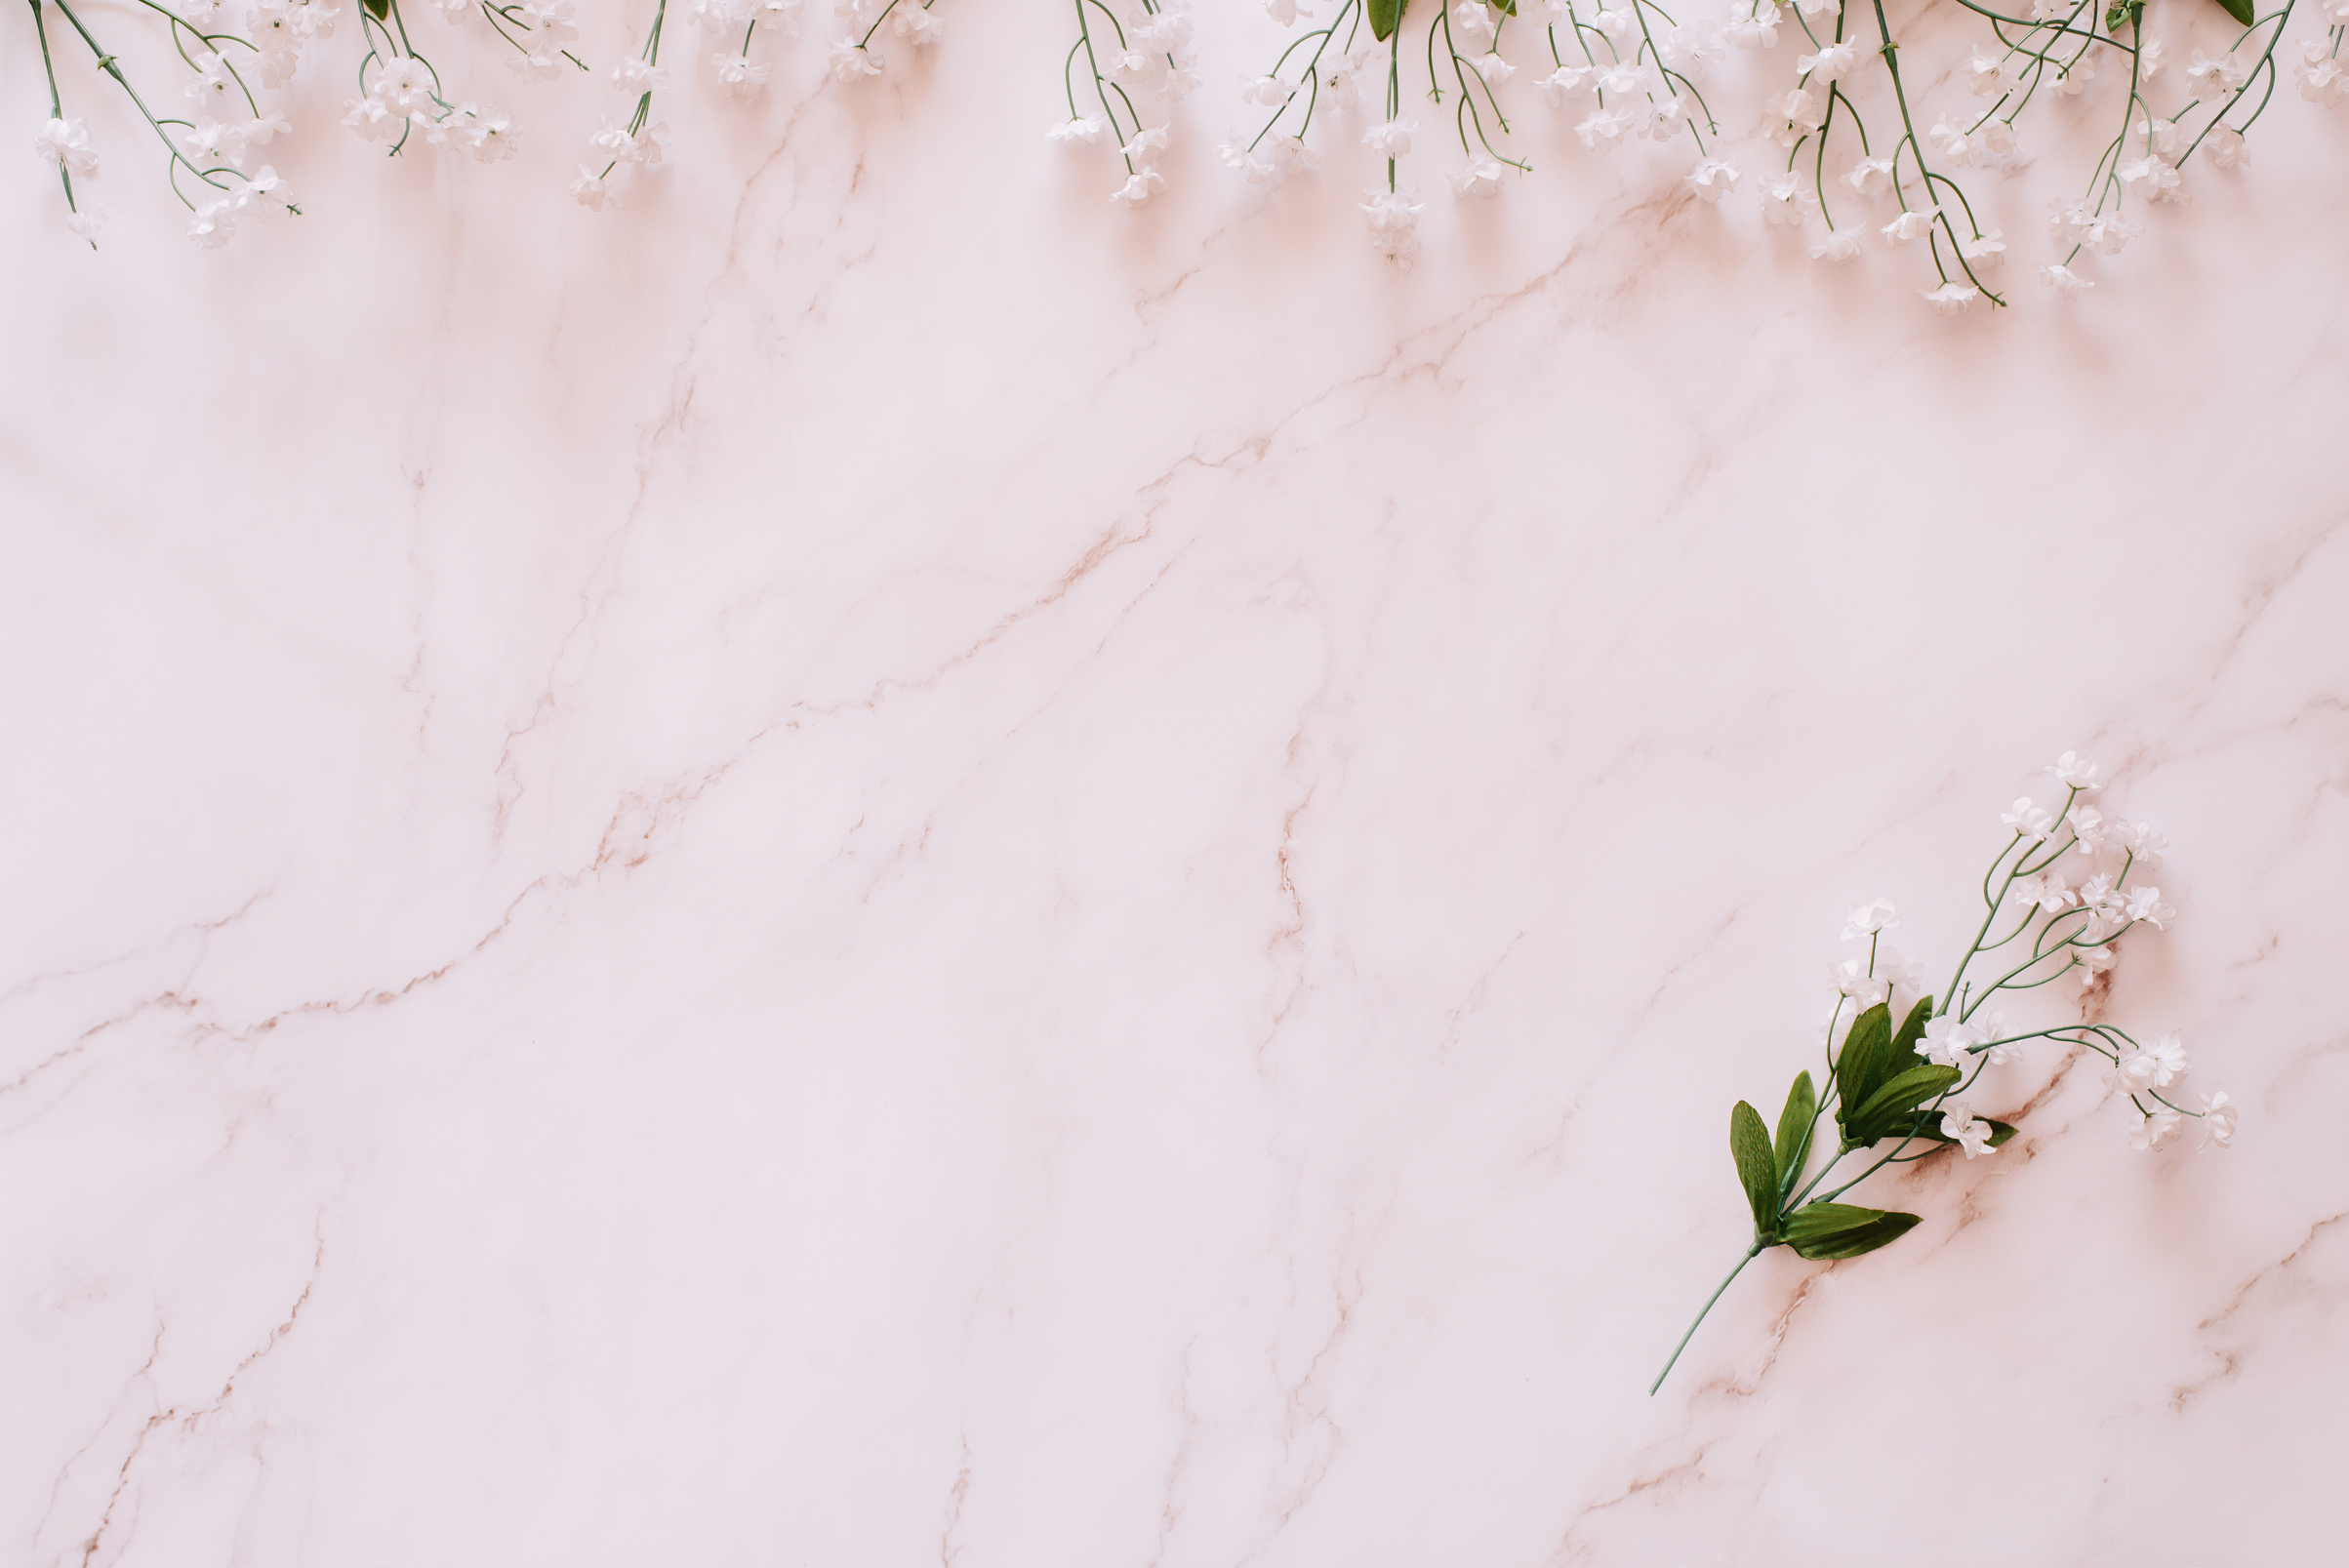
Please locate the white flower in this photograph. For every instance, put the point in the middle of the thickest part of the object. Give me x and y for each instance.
(1269, 92)
(1493, 68)
(1291, 154)
(1690, 49)
(2152, 179)
(1972, 1132)
(214, 224)
(2321, 77)
(1987, 250)
(404, 86)
(2156, 1131)
(1871, 177)
(1084, 131)
(1712, 179)
(590, 190)
(1985, 75)
(1285, 11)
(2000, 1050)
(1166, 30)
(738, 75)
(1866, 920)
(1784, 199)
(2169, 1055)
(492, 138)
(208, 141)
(1896, 971)
(2047, 893)
(2227, 148)
(1997, 138)
(1605, 130)
(1753, 23)
(1837, 246)
(266, 188)
(1951, 297)
(457, 12)
(1614, 21)
(1852, 980)
(2133, 1073)
(2145, 905)
(1391, 140)
(1951, 142)
(550, 18)
(2143, 843)
(1138, 187)
(2152, 56)
(86, 224)
(1255, 165)
(1914, 224)
(2074, 78)
(1471, 18)
(2225, 72)
(637, 74)
(918, 24)
(851, 62)
(2166, 137)
(2219, 1120)
(1946, 1042)
(2089, 828)
(545, 63)
(211, 81)
(2068, 220)
(1147, 141)
(1831, 64)
(2028, 820)
(1803, 107)
(374, 122)
(1481, 178)
(2107, 233)
(66, 143)
(2095, 961)
(1391, 211)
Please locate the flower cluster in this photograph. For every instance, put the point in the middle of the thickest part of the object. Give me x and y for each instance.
(2056, 901)
(1146, 50)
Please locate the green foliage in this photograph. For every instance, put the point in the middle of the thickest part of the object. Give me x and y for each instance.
(378, 9)
(1821, 1231)
(1903, 1092)
(1384, 17)
(2240, 10)
(1927, 1124)
(1794, 1131)
(1750, 1147)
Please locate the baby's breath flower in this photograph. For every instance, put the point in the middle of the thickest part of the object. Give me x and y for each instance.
(2218, 1121)
(1867, 919)
(1970, 1132)
(2157, 1130)
(1952, 298)
(1836, 246)
(66, 143)
(1712, 179)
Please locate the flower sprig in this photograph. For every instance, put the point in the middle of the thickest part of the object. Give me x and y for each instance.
(1146, 50)
(2056, 899)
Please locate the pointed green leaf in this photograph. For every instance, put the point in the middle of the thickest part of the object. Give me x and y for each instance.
(1905, 1091)
(378, 9)
(1794, 1130)
(1927, 1124)
(1384, 17)
(1821, 1231)
(1750, 1147)
(1903, 1055)
(2240, 10)
(1858, 1068)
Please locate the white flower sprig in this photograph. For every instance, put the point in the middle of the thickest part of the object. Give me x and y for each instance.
(2056, 900)
(1146, 50)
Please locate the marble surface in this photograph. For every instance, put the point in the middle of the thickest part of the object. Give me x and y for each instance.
(869, 865)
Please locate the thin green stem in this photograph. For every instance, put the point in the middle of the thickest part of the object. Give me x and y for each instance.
(1751, 1253)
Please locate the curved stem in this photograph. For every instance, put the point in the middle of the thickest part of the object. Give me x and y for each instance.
(1751, 1253)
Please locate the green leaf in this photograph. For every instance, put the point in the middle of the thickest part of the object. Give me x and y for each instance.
(2240, 10)
(1750, 1147)
(1794, 1130)
(2124, 12)
(1384, 17)
(1820, 1231)
(1904, 1042)
(1859, 1068)
(1927, 1124)
(378, 9)
(1904, 1092)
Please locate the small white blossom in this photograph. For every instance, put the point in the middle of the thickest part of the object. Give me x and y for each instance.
(738, 75)
(2166, 137)
(1970, 1132)
(1947, 1040)
(66, 143)
(848, 63)
(919, 25)
(1852, 980)
(1912, 224)
(2095, 961)
(1952, 143)
(1871, 177)
(2153, 180)
(2169, 1055)
(1616, 22)
(591, 189)
(2225, 72)
(214, 223)
(1267, 92)
(1984, 250)
(2072, 78)
(266, 188)
(1493, 68)
(2152, 56)
(1138, 187)
(1481, 178)
(1471, 18)
(1752, 24)
(86, 224)
(2089, 828)
(1391, 140)
(2227, 148)
(2320, 75)
(1803, 107)
(2156, 1131)
(1147, 141)
(1985, 75)
(1603, 131)
(1837, 246)
(2218, 1121)
(2145, 905)
(1951, 297)
(1784, 199)
(1084, 131)
(2028, 820)
(1999, 1050)
(1866, 920)
(1712, 179)
(2143, 843)
(637, 74)
(2047, 891)
(1831, 64)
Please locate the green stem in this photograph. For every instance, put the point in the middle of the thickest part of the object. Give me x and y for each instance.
(1752, 1252)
